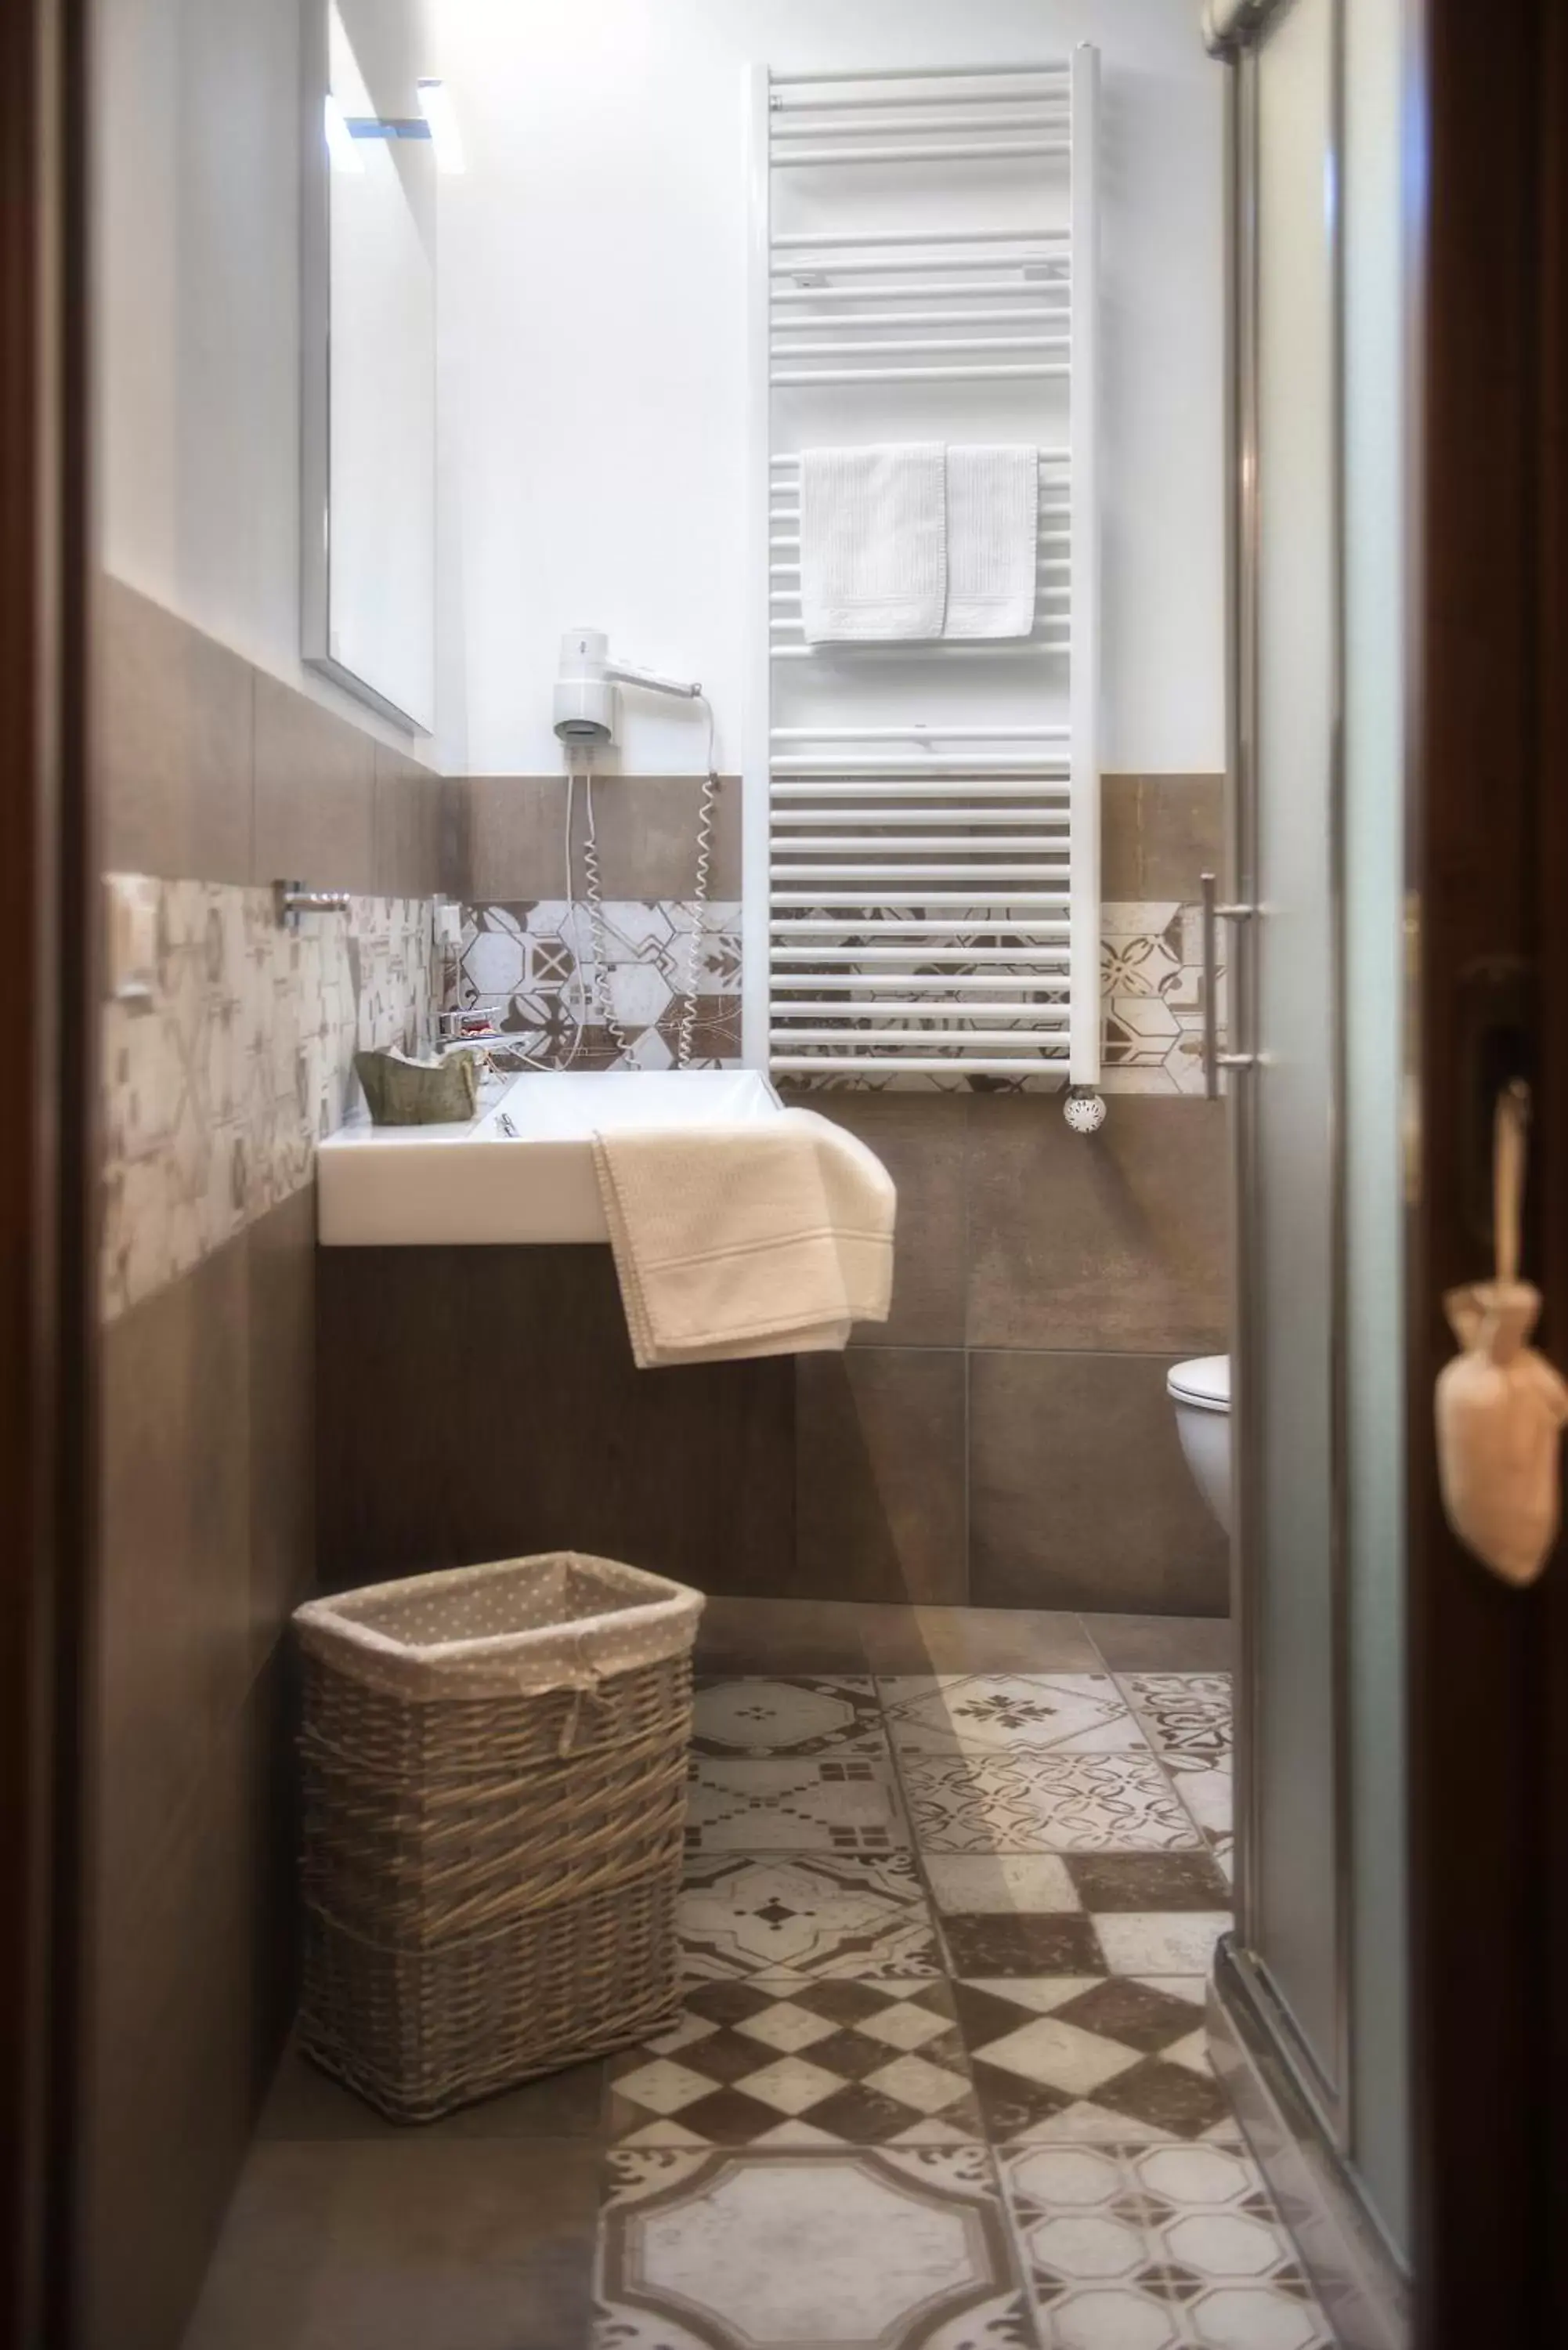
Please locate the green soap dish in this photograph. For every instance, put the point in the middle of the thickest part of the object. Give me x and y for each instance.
(418, 1093)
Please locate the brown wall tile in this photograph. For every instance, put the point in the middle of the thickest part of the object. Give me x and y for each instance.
(410, 850)
(1182, 824)
(1079, 1494)
(1121, 855)
(1112, 1240)
(456, 831)
(512, 829)
(316, 793)
(175, 1628)
(211, 770)
(172, 730)
(282, 1284)
(880, 1475)
(646, 825)
(207, 1507)
(207, 1500)
(1159, 833)
(190, 1999)
(921, 1140)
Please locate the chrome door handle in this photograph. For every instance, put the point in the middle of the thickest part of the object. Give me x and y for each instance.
(1214, 1060)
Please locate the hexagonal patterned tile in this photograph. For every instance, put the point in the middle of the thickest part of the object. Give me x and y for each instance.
(1158, 2247)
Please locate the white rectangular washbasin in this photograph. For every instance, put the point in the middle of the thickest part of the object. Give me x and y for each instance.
(523, 1171)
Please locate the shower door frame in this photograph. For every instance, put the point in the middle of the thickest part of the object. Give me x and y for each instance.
(1295, 2097)
(1328, 2090)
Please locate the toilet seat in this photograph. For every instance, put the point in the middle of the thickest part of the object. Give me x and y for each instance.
(1204, 1383)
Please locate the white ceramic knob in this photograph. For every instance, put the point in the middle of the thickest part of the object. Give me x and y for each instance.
(1084, 1110)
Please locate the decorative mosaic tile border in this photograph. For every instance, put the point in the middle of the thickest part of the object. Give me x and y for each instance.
(220, 1080)
(1151, 985)
(535, 965)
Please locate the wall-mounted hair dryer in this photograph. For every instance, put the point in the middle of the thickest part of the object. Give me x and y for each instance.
(587, 704)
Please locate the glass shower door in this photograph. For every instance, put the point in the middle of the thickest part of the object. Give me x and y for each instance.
(1290, 1903)
(1313, 1990)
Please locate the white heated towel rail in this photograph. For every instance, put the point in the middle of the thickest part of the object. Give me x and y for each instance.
(922, 835)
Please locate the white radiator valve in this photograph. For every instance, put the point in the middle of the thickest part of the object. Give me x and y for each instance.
(1084, 1109)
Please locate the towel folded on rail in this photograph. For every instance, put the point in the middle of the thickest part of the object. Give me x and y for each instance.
(993, 536)
(873, 524)
(769, 1237)
(916, 541)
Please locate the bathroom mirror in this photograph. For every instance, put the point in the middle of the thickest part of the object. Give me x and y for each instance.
(367, 445)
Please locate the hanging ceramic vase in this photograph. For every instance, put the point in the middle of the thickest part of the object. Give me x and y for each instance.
(1500, 1406)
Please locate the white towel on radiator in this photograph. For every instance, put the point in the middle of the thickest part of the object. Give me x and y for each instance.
(994, 526)
(873, 528)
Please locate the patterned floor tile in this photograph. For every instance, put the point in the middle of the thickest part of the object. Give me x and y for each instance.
(1021, 1882)
(797, 1714)
(1156, 1913)
(998, 1713)
(1026, 1801)
(1130, 2247)
(1005, 1942)
(1160, 1941)
(826, 2064)
(1186, 1718)
(766, 2250)
(1123, 1913)
(1145, 1880)
(796, 1805)
(1085, 2057)
(795, 1917)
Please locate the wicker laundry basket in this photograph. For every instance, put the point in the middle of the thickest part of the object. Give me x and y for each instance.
(495, 1780)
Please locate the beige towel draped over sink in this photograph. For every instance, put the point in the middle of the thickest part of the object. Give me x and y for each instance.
(770, 1238)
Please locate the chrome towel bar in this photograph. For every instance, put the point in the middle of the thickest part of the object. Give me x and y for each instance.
(292, 899)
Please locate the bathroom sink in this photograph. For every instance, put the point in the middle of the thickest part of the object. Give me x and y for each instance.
(523, 1171)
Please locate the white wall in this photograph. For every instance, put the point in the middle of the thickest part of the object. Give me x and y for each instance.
(595, 368)
(196, 151)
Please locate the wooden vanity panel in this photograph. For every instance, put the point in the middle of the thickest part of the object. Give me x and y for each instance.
(480, 1403)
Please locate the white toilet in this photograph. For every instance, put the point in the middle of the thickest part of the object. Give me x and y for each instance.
(1200, 1390)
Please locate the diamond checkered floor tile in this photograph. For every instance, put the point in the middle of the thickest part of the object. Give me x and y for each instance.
(857, 2064)
(1091, 2058)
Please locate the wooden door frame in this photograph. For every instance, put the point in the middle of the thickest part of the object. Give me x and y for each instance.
(1488, 860)
(47, 1487)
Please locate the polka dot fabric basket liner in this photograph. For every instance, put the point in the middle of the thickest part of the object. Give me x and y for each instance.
(520, 1625)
